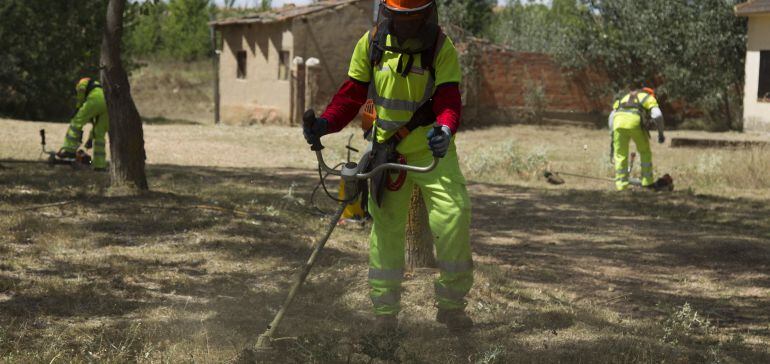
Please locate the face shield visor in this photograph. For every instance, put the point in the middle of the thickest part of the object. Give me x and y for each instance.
(412, 23)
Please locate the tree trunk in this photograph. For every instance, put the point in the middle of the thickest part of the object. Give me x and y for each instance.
(728, 111)
(126, 135)
(215, 61)
(419, 239)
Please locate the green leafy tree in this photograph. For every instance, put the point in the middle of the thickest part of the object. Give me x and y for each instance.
(535, 27)
(46, 47)
(185, 31)
(524, 27)
(470, 15)
(690, 50)
(146, 34)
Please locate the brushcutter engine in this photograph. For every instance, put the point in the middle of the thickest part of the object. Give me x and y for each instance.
(78, 160)
(665, 183)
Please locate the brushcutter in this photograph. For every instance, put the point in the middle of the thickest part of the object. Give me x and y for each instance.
(77, 160)
(665, 183)
(355, 209)
(351, 173)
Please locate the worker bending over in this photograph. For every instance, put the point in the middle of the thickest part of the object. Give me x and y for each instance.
(632, 117)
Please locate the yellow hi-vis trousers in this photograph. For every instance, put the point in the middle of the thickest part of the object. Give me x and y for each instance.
(621, 140)
(449, 212)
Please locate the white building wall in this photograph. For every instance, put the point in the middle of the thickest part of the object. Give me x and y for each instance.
(756, 114)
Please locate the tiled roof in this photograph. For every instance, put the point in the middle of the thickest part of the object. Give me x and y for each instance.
(753, 7)
(284, 13)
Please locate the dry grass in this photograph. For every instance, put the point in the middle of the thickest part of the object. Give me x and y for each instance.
(570, 274)
(175, 91)
(502, 155)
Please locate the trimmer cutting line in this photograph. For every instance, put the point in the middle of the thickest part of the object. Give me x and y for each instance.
(665, 183)
(554, 178)
(351, 173)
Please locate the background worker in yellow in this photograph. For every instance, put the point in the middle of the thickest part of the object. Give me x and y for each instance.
(411, 70)
(631, 119)
(91, 107)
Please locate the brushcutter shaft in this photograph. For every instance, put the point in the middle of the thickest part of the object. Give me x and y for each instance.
(299, 280)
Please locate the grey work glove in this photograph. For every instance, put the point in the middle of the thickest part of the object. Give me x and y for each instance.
(439, 141)
(314, 132)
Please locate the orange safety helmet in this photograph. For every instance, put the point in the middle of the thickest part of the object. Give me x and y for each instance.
(81, 91)
(407, 5)
(649, 90)
(82, 84)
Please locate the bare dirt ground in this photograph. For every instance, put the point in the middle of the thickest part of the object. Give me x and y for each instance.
(194, 270)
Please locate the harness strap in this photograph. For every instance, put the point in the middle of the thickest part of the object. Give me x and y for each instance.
(91, 86)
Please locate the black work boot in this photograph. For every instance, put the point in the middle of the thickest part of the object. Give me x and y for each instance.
(385, 324)
(384, 339)
(456, 320)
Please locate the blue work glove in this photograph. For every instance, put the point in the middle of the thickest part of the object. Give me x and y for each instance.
(661, 138)
(439, 142)
(314, 132)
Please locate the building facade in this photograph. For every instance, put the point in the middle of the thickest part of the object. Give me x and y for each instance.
(276, 64)
(261, 55)
(756, 102)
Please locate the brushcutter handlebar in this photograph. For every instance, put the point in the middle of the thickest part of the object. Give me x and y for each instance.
(43, 150)
(399, 167)
(354, 168)
(351, 170)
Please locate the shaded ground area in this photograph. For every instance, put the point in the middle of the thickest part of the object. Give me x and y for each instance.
(193, 271)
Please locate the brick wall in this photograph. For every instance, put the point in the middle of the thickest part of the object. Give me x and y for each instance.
(503, 77)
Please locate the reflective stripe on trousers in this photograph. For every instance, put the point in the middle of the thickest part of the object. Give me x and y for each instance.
(448, 293)
(386, 274)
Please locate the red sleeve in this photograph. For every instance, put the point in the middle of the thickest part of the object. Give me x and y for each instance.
(345, 105)
(448, 106)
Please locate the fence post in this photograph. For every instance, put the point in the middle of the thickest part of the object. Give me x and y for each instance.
(312, 74)
(297, 90)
